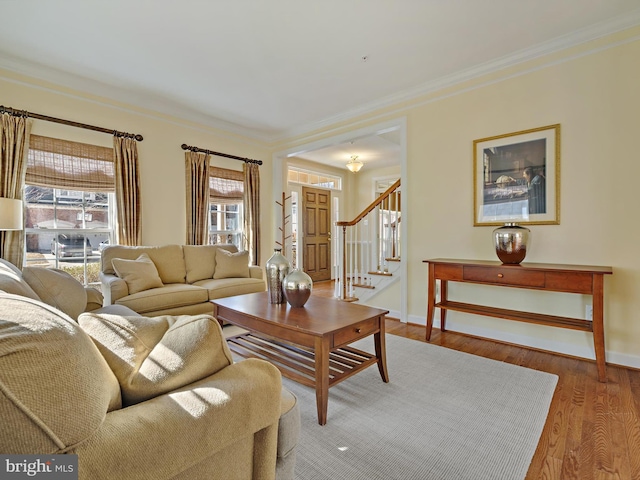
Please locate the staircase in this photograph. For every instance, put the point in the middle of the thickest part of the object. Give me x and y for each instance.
(369, 253)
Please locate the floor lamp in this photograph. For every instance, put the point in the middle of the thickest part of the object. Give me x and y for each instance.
(10, 214)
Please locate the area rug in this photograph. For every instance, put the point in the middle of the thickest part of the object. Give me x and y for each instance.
(445, 415)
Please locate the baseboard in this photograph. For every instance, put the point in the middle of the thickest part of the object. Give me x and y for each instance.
(549, 345)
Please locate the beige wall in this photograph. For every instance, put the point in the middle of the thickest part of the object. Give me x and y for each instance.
(592, 91)
(161, 158)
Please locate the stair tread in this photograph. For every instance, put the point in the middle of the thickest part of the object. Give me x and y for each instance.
(384, 274)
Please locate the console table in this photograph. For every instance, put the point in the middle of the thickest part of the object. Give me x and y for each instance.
(583, 279)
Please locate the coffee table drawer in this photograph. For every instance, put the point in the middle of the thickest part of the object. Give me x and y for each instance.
(355, 332)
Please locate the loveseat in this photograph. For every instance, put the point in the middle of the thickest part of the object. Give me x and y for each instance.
(176, 279)
(134, 397)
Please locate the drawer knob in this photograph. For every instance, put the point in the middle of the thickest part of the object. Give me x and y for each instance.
(358, 330)
(500, 275)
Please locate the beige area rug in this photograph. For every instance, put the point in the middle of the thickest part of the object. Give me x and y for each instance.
(445, 415)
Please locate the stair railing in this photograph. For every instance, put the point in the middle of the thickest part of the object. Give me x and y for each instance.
(369, 242)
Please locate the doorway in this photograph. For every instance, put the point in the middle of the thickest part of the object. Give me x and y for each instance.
(280, 181)
(316, 233)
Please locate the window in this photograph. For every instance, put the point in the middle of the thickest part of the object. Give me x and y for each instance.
(69, 204)
(226, 207)
(315, 179)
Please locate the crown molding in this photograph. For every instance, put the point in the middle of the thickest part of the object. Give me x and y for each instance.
(547, 48)
(110, 95)
(156, 104)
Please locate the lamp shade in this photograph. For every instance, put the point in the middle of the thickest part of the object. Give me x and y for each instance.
(10, 214)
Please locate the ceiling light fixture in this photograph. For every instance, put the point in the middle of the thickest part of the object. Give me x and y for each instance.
(354, 164)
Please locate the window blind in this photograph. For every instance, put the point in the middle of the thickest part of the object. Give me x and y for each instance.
(56, 163)
(226, 186)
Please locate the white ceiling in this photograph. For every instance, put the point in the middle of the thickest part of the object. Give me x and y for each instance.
(374, 151)
(273, 69)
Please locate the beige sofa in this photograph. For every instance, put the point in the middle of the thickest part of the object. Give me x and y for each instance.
(134, 397)
(176, 279)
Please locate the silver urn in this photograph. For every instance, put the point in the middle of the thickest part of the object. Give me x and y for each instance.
(297, 287)
(511, 242)
(276, 268)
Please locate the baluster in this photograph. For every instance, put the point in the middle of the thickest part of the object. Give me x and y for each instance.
(397, 224)
(336, 263)
(351, 261)
(387, 235)
(354, 278)
(344, 262)
(367, 250)
(380, 238)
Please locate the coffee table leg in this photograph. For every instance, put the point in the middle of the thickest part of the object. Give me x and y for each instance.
(381, 352)
(322, 378)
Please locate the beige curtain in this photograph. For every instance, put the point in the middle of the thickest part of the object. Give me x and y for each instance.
(198, 191)
(251, 205)
(128, 200)
(14, 146)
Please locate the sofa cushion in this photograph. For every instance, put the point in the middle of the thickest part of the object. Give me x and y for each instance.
(140, 274)
(231, 265)
(55, 387)
(57, 288)
(168, 259)
(200, 260)
(227, 287)
(154, 355)
(168, 296)
(11, 281)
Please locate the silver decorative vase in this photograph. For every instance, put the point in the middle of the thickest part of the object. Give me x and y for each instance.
(297, 287)
(511, 242)
(277, 268)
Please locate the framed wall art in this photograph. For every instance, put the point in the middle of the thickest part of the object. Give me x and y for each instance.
(516, 178)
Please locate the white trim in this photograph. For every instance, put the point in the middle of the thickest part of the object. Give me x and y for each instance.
(547, 48)
(161, 107)
(279, 178)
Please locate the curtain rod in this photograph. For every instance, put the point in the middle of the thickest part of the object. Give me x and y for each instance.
(218, 154)
(24, 113)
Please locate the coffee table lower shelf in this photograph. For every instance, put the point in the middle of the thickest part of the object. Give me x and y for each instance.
(298, 363)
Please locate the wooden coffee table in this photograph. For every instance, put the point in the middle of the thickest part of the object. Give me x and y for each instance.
(308, 344)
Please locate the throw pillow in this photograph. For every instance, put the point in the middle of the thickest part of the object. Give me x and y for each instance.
(56, 387)
(151, 356)
(95, 299)
(200, 260)
(231, 265)
(57, 288)
(139, 274)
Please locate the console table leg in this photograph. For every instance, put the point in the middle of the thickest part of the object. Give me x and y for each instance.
(443, 299)
(598, 326)
(431, 301)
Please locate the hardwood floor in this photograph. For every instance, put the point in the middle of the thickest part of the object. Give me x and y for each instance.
(592, 430)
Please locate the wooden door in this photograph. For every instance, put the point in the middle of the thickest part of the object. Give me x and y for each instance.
(316, 233)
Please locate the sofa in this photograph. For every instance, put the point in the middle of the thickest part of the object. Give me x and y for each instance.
(176, 279)
(134, 397)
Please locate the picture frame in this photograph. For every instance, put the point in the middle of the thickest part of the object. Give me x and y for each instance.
(516, 178)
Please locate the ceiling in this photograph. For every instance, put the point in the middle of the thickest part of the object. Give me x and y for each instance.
(273, 69)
